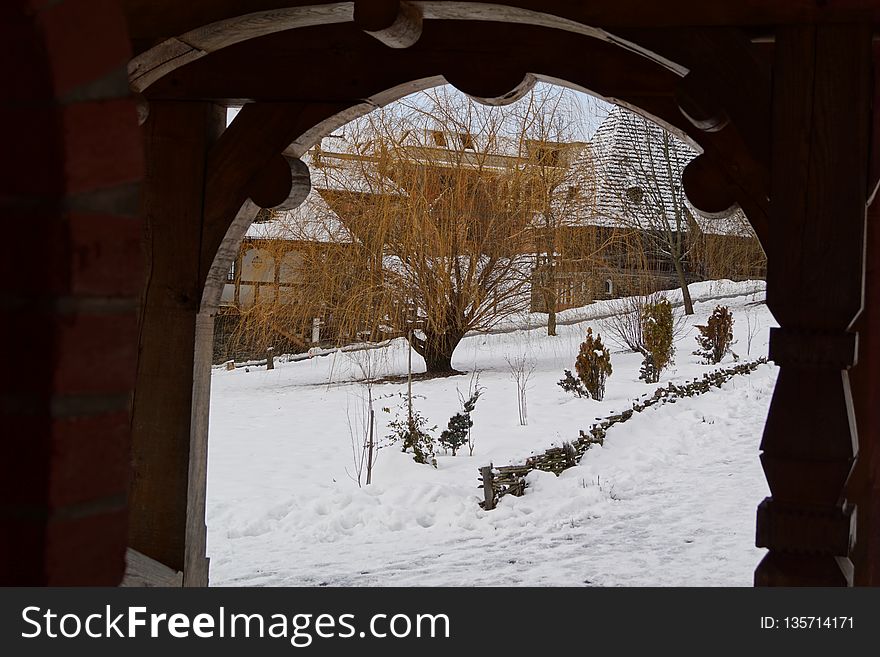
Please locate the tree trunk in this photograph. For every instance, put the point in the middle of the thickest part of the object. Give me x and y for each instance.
(550, 305)
(437, 361)
(685, 292)
(437, 350)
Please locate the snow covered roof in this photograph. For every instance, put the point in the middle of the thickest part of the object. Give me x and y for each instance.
(312, 221)
(630, 169)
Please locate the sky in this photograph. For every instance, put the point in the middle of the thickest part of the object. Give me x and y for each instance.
(592, 109)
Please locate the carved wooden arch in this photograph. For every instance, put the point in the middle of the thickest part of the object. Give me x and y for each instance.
(732, 168)
(710, 85)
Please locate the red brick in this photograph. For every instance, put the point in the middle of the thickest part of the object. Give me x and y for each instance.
(87, 254)
(89, 458)
(87, 551)
(102, 144)
(107, 255)
(70, 354)
(85, 40)
(96, 354)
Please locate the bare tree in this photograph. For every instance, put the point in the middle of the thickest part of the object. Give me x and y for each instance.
(438, 196)
(625, 326)
(752, 328)
(562, 183)
(641, 169)
(362, 427)
(521, 369)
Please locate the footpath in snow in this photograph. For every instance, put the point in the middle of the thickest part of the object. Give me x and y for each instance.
(669, 500)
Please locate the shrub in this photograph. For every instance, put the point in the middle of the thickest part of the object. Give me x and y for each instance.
(571, 384)
(459, 426)
(658, 332)
(593, 365)
(415, 435)
(716, 335)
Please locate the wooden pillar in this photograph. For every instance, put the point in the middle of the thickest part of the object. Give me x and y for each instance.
(821, 100)
(166, 472)
(864, 486)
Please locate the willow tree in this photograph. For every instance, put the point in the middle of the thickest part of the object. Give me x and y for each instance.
(435, 192)
(443, 205)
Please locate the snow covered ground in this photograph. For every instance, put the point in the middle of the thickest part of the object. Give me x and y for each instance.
(669, 500)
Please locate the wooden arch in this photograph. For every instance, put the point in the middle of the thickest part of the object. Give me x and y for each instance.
(703, 71)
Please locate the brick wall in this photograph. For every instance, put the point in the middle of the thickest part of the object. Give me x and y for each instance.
(68, 196)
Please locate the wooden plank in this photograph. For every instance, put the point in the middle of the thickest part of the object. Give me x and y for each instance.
(196, 563)
(488, 489)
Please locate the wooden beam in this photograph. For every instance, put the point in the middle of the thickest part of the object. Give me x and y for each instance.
(238, 167)
(152, 21)
(814, 290)
(177, 138)
(259, 70)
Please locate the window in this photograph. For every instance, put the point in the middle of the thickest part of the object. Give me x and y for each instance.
(466, 140)
(438, 137)
(609, 288)
(635, 195)
(573, 192)
(230, 275)
(545, 155)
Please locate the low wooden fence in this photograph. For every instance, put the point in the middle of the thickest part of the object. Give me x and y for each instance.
(511, 479)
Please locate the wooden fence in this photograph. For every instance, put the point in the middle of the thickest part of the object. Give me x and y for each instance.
(511, 479)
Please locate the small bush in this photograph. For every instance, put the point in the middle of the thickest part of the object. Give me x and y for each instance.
(459, 426)
(716, 335)
(415, 435)
(658, 332)
(571, 384)
(593, 365)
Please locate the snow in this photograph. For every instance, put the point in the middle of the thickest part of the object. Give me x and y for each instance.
(669, 500)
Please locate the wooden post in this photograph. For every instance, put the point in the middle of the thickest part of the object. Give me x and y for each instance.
(409, 380)
(814, 290)
(488, 487)
(167, 463)
(370, 448)
(270, 358)
(864, 484)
